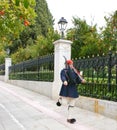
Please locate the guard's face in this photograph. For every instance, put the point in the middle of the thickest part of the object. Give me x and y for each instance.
(71, 65)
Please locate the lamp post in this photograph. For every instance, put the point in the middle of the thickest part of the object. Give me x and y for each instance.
(8, 51)
(62, 26)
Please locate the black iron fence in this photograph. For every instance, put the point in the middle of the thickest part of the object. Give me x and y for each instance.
(101, 76)
(100, 73)
(2, 69)
(40, 69)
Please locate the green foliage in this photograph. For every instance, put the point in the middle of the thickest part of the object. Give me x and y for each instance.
(97, 90)
(44, 21)
(26, 3)
(12, 17)
(2, 57)
(2, 54)
(34, 35)
(35, 76)
(36, 39)
(28, 41)
(15, 16)
(109, 34)
(42, 46)
(87, 41)
(89, 50)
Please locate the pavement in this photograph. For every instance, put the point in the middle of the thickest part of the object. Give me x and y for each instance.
(22, 109)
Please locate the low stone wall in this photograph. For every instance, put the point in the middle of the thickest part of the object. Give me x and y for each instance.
(44, 88)
(2, 77)
(103, 107)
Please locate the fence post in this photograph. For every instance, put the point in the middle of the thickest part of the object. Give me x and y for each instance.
(109, 71)
(7, 65)
(61, 48)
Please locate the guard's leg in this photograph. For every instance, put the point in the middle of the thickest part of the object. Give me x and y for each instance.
(71, 105)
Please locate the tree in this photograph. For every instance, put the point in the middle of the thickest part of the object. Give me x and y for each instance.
(85, 39)
(109, 33)
(42, 46)
(43, 22)
(15, 15)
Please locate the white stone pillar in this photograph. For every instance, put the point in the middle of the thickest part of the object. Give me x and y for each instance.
(61, 48)
(7, 65)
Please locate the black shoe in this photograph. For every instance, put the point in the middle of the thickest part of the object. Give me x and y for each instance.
(58, 103)
(71, 120)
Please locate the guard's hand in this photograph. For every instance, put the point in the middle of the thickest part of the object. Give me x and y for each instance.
(65, 83)
(83, 81)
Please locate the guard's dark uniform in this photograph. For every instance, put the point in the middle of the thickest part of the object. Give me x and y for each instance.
(71, 89)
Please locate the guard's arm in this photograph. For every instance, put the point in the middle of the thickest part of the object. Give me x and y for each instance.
(64, 78)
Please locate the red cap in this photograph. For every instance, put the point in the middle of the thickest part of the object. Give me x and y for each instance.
(69, 62)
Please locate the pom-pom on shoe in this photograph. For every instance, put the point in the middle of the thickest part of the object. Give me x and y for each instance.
(59, 103)
(72, 121)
